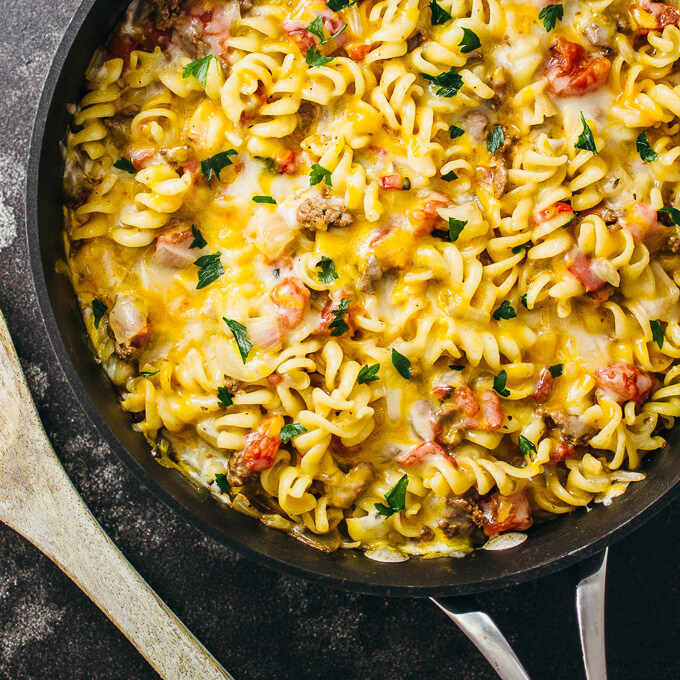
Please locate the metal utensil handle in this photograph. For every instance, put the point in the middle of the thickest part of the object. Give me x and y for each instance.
(485, 635)
(590, 592)
(38, 500)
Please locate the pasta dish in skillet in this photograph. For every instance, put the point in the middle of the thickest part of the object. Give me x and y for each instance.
(393, 275)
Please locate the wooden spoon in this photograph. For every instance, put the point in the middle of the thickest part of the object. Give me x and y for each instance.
(38, 500)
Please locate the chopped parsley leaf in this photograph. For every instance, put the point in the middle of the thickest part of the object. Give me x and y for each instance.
(264, 199)
(125, 164)
(328, 273)
(439, 14)
(199, 241)
(149, 374)
(470, 41)
(496, 139)
(215, 164)
(448, 82)
(657, 332)
(339, 326)
(395, 497)
(337, 5)
(526, 446)
(456, 367)
(368, 374)
(224, 397)
(499, 384)
(644, 148)
(455, 228)
(319, 173)
(455, 131)
(402, 364)
(450, 176)
(98, 310)
(316, 27)
(199, 69)
(241, 336)
(521, 247)
(210, 269)
(585, 139)
(505, 311)
(556, 370)
(523, 300)
(550, 15)
(289, 431)
(673, 213)
(334, 36)
(314, 58)
(221, 481)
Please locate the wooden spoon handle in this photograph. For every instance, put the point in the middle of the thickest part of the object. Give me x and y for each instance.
(38, 500)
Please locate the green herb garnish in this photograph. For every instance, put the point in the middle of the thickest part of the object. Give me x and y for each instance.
(314, 58)
(221, 481)
(450, 176)
(499, 384)
(199, 69)
(328, 273)
(585, 139)
(455, 228)
(125, 164)
(456, 367)
(199, 241)
(224, 397)
(505, 311)
(455, 131)
(644, 148)
(469, 42)
(402, 364)
(289, 431)
(556, 370)
(149, 374)
(264, 199)
(319, 173)
(368, 374)
(439, 14)
(210, 269)
(657, 333)
(448, 82)
(550, 15)
(673, 213)
(339, 326)
(241, 336)
(526, 446)
(98, 310)
(215, 164)
(395, 497)
(496, 139)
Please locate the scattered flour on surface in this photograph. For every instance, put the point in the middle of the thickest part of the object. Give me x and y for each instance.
(37, 380)
(12, 179)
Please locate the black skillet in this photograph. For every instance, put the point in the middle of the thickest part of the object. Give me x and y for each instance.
(550, 547)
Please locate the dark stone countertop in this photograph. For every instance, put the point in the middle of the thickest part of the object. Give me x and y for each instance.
(258, 623)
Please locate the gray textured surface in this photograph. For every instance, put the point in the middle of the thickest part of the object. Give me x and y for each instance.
(259, 624)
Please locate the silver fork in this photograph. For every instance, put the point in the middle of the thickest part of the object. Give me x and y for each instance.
(487, 637)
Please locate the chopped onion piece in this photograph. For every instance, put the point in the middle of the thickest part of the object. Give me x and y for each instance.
(505, 541)
(385, 554)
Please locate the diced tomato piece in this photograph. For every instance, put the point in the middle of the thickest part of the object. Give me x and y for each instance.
(140, 158)
(491, 408)
(297, 30)
(624, 382)
(653, 16)
(397, 182)
(357, 51)
(505, 513)
(543, 386)
(121, 45)
(290, 297)
(418, 453)
(563, 451)
(285, 161)
(425, 219)
(570, 72)
(262, 445)
(155, 36)
(582, 269)
(465, 401)
(193, 167)
(551, 212)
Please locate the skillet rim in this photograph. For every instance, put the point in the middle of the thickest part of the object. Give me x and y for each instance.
(650, 504)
